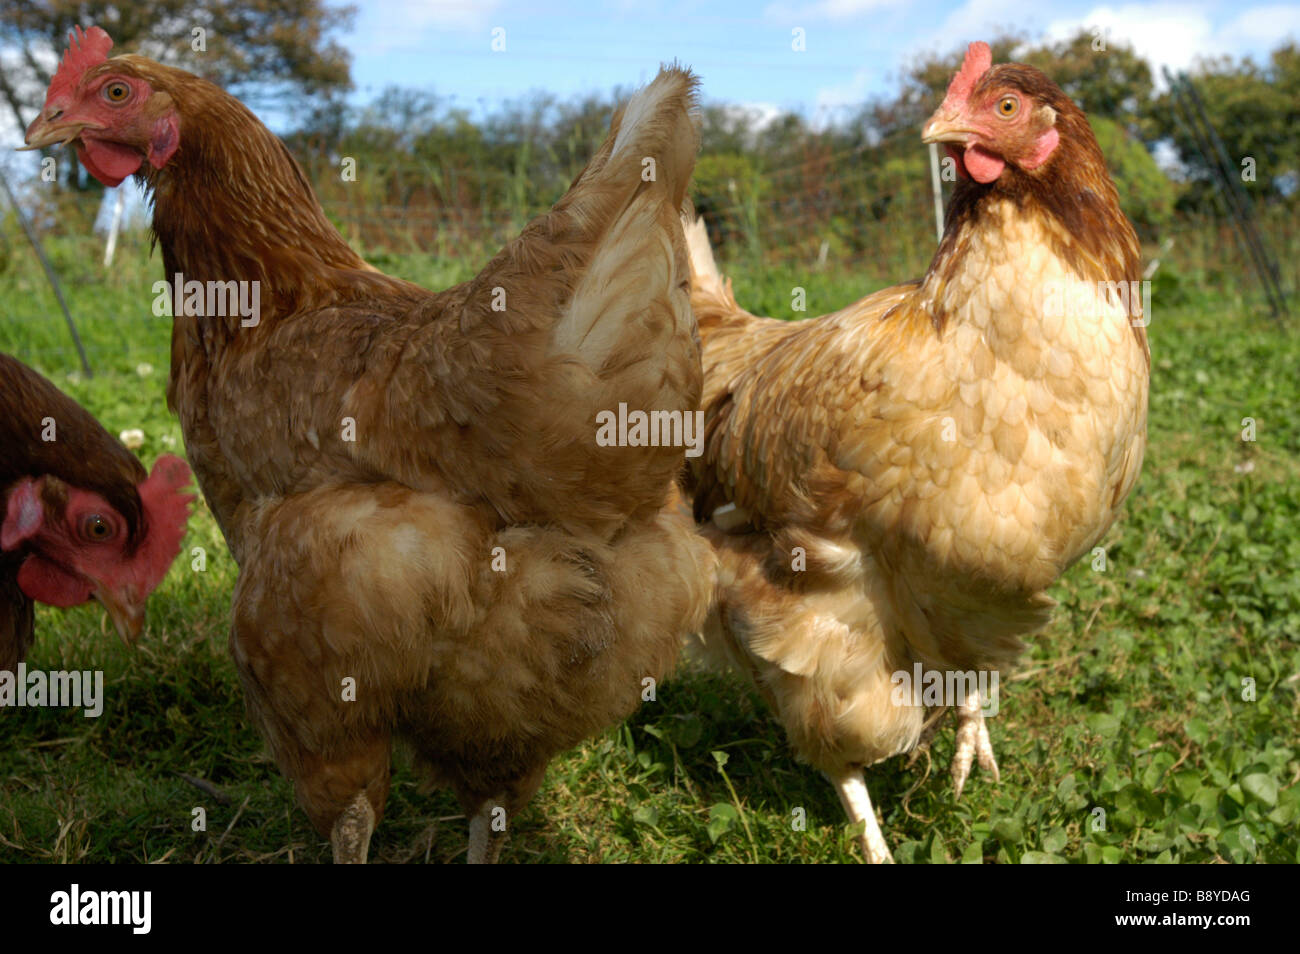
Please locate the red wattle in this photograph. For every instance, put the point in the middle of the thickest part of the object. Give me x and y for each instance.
(108, 162)
(982, 165)
(50, 584)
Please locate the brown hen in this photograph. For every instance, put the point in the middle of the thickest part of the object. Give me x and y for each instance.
(433, 544)
(900, 481)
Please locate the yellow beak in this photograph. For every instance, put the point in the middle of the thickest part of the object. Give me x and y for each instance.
(127, 616)
(48, 130)
(947, 127)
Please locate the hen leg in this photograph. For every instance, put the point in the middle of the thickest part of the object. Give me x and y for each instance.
(852, 789)
(344, 795)
(350, 836)
(487, 832)
(972, 742)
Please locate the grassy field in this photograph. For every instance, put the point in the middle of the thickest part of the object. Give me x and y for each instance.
(1166, 692)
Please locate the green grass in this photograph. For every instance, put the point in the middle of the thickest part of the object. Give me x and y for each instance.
(1131, 701)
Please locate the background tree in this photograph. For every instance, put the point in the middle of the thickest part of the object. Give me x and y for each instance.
(1106, 78)
(1256, 111)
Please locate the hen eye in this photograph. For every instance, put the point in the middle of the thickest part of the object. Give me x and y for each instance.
(96, 528)
(1008, 106)
(116, 92)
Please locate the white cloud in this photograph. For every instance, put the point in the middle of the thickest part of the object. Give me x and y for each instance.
(757, 116)
(1176, 35)
(1164, 34)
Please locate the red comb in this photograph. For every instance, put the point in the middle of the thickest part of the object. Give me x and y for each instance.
(86, 48)
(166, 509)
(978, 61)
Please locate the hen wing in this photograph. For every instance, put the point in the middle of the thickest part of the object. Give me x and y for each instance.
(787, 421)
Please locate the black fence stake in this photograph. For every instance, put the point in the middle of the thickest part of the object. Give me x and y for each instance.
(1269, 271)
(1235, 200)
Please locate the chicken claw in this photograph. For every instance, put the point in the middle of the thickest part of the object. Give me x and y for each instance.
(972, 742)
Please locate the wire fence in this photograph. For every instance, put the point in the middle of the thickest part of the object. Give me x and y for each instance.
(832, 209)
(825, 210)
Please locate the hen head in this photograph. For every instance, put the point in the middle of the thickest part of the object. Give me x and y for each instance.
(999, 116)
(108, 108)
(79, 546)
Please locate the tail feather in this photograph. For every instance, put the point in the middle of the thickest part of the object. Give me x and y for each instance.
(704, 270)
(659, 122)
(640, 175)
(711, 297)
(597, 319)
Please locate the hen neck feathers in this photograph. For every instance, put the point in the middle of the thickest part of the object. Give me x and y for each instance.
(1043, 241)
(233, 205)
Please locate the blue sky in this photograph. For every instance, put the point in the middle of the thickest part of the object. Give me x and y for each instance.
(743, 50)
